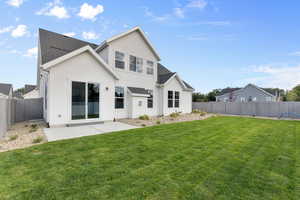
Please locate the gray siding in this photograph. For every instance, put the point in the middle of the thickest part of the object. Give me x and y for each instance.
(246, 93)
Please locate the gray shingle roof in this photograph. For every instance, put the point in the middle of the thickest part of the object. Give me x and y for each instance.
(5, 88)
(54, 45)
(136, 90)
(164, 74)
(29, 88)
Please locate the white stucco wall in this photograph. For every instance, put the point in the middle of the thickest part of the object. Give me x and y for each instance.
(185, 103)
(84, 68)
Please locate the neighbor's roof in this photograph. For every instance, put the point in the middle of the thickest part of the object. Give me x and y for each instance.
(137, 90)
(29, 88)
(54, 45)
(5, 88)
(164, 74)
(230, 90)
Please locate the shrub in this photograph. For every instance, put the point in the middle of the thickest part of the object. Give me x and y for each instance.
(143, 125)
(203, 114)
(196, 111)
(174, 114)
(33, 128)
(37, 140)
(157, 122)
(13, 137)
(144, 117)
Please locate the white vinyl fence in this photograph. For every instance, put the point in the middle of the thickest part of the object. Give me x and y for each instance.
(12, 111)
(265, 109)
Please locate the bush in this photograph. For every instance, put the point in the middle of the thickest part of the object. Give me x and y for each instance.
(143, 125)
(157, 122)
(203, 114)
(174, 114)
(33, 128)
(144, 117)
(37, 140)
(196, 111)
(13, 137)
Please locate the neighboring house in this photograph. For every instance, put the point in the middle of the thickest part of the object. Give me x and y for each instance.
(31, 92)
(6, 90)
(18, 95)
(120, 78)
(246, 94)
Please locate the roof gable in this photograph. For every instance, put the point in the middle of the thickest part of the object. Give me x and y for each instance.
(122, 35)
(5, 88)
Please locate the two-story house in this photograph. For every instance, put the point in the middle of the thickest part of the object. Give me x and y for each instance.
(120, 78)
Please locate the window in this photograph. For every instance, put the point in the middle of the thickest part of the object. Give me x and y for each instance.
(254, 99)
(150, 99)
(149, 67)
(170, 99)
(119, 60)
(243, 99)
(119, 97)
(249, 98)
(136, 64)
(82, 107)
(176, 99)
(268, 99)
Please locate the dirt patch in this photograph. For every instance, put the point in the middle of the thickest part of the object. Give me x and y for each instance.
(23, 134)
(165, 119)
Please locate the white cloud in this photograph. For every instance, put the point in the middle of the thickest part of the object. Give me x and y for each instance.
(31, 52)
(282, 76)
(179, 12)
(214, 23)
(90, 35)
(19, 31)
(297, 53)
(69, 34)
(154, 17)
(6, 29)
(55, 9)
(15, 3)
(89, 12)
(201, 4)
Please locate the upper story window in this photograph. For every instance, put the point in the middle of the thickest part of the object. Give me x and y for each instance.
(170, 99)
(119, 97)
(177, 97)
(136, 64)
(119, 60)
(150, 65)
(150, 99)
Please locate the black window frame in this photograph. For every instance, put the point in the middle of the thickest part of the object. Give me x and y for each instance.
(150, 99)
(177, 99)
(119, 98)
(119, 64)
(170, 99)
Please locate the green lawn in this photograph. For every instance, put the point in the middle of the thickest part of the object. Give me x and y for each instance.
(217, 158)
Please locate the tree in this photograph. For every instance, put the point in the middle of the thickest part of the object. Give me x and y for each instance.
(211, 96)
(294, 94)
(198, 97)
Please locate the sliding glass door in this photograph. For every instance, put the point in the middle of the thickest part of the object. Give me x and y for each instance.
(85, 100)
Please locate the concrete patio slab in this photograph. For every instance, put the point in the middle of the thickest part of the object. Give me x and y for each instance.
(62, 133)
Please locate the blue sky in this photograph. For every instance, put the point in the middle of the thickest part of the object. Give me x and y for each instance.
(210, 43)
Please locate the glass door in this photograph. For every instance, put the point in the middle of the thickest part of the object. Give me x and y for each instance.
(85, 100)
(93, 100)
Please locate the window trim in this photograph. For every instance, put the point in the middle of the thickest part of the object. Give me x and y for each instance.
(120, 60)
(150, 67)
(119, 97)
(139, 62)
(150, 98)
(171, 99)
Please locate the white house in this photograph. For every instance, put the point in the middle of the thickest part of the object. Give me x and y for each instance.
(120, 78)
(6, 90)
(247, 94)
(31, 92)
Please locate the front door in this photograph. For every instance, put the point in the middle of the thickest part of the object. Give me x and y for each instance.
(85, 100)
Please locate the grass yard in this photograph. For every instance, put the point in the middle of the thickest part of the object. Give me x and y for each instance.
(217, 158)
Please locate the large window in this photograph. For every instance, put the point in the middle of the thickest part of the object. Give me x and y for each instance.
(119, 60)
(177, 97)
(150, 65)
(82, 107)
(150, 99)
(136, 64)
(170, 99)
(119, 97)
